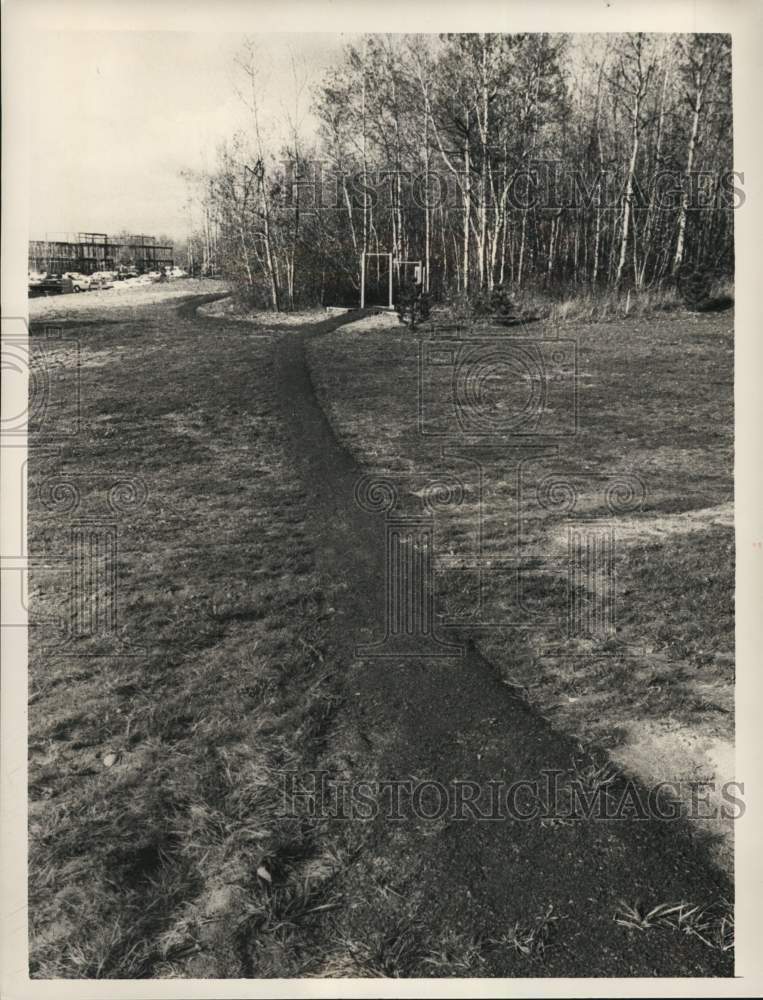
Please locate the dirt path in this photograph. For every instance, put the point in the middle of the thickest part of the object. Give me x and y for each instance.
(503, 897)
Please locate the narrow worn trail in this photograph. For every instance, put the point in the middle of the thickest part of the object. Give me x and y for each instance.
(451, 719)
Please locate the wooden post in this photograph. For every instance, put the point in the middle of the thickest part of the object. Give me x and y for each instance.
(362, 280)
(390, 282)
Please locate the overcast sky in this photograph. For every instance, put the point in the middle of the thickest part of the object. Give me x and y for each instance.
(116, 117)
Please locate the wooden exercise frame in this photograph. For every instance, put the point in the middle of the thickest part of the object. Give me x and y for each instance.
(392, 262)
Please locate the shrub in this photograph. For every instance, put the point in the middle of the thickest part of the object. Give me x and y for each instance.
(458, 307)
(479, 306)
(502, 306)
(412, 304)
(694, 286)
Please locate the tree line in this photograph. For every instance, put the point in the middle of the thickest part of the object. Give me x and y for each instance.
(524, 160)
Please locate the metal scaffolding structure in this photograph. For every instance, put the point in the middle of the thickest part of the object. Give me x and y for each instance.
(89, 252)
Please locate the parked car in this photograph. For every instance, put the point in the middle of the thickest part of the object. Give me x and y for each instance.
(176, 272)
(52, 284)
(102, 279)
(80, 282)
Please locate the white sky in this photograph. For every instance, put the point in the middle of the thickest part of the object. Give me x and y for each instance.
(116, 116)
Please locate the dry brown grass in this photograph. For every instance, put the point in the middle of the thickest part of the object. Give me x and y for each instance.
(655, 398)
(154, 778)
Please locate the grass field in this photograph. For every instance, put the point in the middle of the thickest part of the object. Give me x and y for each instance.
(655, 412)
(158, 845)
(152, 808)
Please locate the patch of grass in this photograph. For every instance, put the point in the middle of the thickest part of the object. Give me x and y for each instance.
(159, 845)
(698, 632)
(392, 950)
(457, 954)
(655, 402)
(713, 926)
(608, 306)
(530, 938)
(602, 305)
(154, 778)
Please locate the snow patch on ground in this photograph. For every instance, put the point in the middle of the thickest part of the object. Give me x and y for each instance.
(120, 296)
(229, 309)
(379, 321)
(684, 756)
